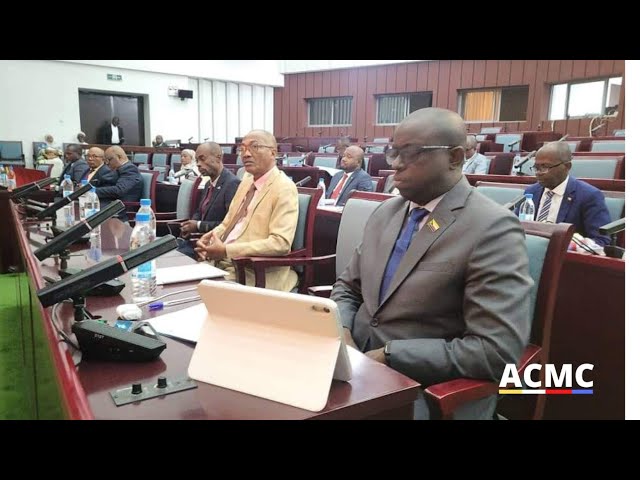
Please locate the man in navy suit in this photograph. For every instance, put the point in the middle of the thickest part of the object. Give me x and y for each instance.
(99, 175)
(76, 166)
(352, 178)
(216, 197)
(559, 197)
(128, 185)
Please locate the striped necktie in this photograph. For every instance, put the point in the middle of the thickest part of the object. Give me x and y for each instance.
(544, 211)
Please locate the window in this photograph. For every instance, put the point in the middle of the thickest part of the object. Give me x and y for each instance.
(508, 104)
(585, 99)
(391, 109)
(329, 111)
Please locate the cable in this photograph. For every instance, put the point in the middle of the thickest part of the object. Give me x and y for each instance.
(142, 304)
(54, 320)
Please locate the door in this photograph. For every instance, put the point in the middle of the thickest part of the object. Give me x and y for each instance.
(97, 109)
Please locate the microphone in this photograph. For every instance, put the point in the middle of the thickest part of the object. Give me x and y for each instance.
(30, 188)
(514, 142)
(104, 271)
(598, 127)
(512, 205)
(206, 138)
(182, 173)
(49, 211)
(519, 166)
(612, 228)
(303, 182)
(189, 140)
(563, 138)
(78, 231)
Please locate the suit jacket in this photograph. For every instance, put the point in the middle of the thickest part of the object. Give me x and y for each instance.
(359, 180)
(128, 188)
(105, 135)
(103, 177)
(77, 170)
(455, 305)
(218, 207)
(478, 165)
(268, 230)
(582, 205)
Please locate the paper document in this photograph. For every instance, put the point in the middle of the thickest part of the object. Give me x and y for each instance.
(184, 324)
(187, 273)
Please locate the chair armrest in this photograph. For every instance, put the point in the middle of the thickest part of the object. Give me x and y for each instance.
(446, 397)
(320, 291)
(260, 264)
(166, 216)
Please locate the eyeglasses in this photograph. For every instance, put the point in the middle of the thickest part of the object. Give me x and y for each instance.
(95, 156)
(253, 148)
(410, 152)
(545, 168)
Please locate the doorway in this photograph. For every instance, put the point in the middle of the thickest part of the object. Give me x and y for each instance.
(98, 108)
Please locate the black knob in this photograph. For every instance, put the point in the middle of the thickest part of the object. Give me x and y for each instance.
(136, 389)
(162, 382)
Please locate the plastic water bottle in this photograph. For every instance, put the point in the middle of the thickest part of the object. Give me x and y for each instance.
(172, 177)
(324, 191)
(143, 278)
(11, 179)
(67, 189)
(145, 207)
(527, 209)
(91, 207)
(82, 200)
(3, 176)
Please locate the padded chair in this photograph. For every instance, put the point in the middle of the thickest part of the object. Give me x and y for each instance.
(327, 149)
(378, 184)
(355, 214)
(186, 204)
(377, 148)
(506, 138)
(619, 132)
(615, 204)
(382, 140)
(330, 161)
(301, 248)
(139, 158)
(240, 173)
(159, 160)
(227, 148)
(174, 159)
(596, 168)
(607, 146)
(501, 193)
(45, 168)
(487, 130)
(149, 181)
(162, 172)
(547, 245)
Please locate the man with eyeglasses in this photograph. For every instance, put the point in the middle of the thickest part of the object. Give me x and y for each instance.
(262, 217)
(352, 177)
(128, 184)
(475, 162)
(98, 174)
(439, 287)
(559, 197)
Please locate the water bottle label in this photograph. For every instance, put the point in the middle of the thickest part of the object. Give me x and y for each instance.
(145, 269)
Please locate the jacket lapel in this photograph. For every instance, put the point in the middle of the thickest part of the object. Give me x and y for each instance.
(438, 222)
(261, 194)
(567, 200)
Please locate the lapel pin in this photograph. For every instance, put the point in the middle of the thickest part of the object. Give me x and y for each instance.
(569, 199)
(433, 225)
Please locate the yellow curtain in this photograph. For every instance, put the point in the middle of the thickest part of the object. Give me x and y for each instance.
(480, 106)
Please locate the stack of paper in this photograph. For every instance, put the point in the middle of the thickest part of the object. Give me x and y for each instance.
(188, 273)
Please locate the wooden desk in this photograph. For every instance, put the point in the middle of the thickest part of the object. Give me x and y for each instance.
(374, 392)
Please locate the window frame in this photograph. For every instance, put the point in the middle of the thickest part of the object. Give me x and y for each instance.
(569, 84)
(378, 96)
(311, 99)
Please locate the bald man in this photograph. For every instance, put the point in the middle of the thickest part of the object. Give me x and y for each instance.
(128, 184)
(438, 289)
(99, 174)
(353, 177)
(474, 162)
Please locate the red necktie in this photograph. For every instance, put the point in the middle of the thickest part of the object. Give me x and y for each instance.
(336, 191)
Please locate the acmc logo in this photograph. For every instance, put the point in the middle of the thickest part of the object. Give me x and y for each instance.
(555, 383)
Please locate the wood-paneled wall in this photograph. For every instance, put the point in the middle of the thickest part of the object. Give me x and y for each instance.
(444, 78)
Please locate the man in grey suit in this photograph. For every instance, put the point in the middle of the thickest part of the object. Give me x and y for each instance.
(456, 303)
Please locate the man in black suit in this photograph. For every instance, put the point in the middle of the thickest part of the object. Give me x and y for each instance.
(112, 134)
(353, 177)
(217, 196)
(75, 165)
(128, 185)
(99, 175)
(216, 199)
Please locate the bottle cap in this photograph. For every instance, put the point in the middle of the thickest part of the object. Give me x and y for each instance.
(145, 202)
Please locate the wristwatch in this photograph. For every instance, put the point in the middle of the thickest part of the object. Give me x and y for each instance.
(387, 352)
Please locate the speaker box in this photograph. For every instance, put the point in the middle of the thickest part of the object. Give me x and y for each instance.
(185, 93)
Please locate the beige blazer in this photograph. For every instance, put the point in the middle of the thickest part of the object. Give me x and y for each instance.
(268, 231)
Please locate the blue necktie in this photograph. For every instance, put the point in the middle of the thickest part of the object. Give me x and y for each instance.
(401, 247)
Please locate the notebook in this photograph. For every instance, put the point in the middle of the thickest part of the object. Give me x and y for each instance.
(188, 273)
(281, 346)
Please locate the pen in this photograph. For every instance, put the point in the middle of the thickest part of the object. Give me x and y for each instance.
(161, 305)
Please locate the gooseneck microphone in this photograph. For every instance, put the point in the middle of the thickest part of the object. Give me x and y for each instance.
(514, 203)
(76, 232)
(104, 271)
(47, 212)
(181, 173)
(32, 187)
(303, 182)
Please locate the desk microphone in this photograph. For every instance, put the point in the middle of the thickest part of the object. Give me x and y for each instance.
(49, 211)
(512, 205)
(182, 173)
(303, 182)
(526, 159)
(612, 228)
(32, 187)
(78, 231)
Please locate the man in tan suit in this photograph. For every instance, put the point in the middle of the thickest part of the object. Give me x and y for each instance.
(262, 217)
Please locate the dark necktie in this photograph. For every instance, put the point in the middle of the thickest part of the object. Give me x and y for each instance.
(204, 206)
(242, 211)
(401, 247)
(544, 211)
